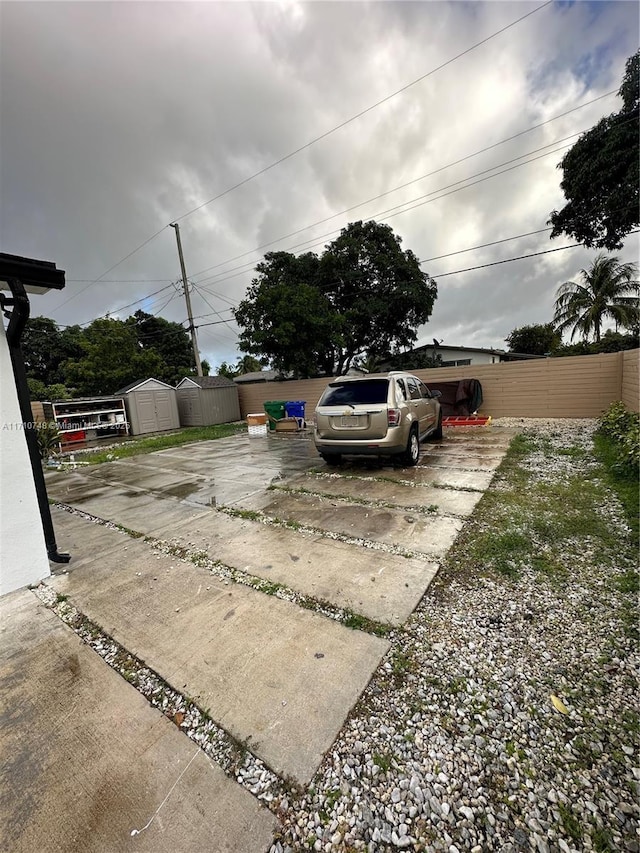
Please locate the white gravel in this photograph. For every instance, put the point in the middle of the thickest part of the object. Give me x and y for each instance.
(456, 744)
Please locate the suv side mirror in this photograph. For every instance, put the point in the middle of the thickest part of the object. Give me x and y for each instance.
(435, 394)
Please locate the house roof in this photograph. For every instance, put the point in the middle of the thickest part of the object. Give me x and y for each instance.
(207, 381)
(489, 350)
(258, 376)
(133, 385)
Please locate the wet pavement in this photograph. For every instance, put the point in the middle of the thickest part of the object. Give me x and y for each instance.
(365, 538)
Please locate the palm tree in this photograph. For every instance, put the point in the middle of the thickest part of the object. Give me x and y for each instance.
(607, 289)
(248, 364)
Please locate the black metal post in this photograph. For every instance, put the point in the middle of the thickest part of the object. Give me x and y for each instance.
(18, 317)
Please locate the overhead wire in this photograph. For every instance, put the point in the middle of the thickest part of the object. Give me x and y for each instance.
(112, 267)
(412, 204)
(408, 183)
(363, 112)
(204, 299)
(408, 205)
(518, 258)
(306, 146)
(129, 305)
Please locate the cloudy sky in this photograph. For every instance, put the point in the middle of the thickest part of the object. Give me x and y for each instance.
(118, 118)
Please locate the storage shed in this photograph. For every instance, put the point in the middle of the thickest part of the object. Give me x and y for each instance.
(206, 400)
(151, 405)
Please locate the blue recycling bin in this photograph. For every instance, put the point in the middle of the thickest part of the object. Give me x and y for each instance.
(295, 409)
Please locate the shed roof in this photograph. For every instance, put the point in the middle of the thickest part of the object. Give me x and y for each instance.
(133, 386)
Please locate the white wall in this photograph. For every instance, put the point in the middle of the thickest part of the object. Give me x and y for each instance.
(23, 553)
(462, 355)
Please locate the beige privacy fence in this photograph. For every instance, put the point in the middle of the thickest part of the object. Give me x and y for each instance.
(576, 387)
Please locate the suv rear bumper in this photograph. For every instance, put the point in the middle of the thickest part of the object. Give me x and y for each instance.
(384, 447)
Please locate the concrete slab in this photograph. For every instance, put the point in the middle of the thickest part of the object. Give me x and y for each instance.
(446, 458)
(432, 535)
(381, 586)
(143, 477)
(447, 501)
(280, 678)
(137, 510)
(424, 475)
(223, 472)
(500, 443)
(85, 542)
(86, 760)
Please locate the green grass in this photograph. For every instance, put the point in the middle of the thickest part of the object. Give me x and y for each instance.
(625, 486)
(570, 823)
(163, 442)
(382, 760)
(529, 523)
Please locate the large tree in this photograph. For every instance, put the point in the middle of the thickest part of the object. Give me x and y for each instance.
(313, 315)
(608, 289)
(169, 340)
(41, 347)
(111, 359)
(539, 339)
(600, 175)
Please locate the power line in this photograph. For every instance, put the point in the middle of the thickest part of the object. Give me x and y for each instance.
(106, 272)
(519, 258)
(418, 201)
(362, 112)
(217, 313)
(413, 181)
(484, 245)
(307, 145)
(122, 308)
(204, 299)
(216, 323)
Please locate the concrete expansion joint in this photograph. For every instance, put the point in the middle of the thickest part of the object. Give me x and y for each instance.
(230, 574)
(347, 499)
(96, 519)
(235, 758)
(261, 518)
(227, 574)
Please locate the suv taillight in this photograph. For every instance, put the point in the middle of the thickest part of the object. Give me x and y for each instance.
(393, 417)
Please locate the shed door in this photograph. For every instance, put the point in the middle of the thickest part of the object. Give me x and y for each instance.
(163, 411)
(146, 406)
(194, 406)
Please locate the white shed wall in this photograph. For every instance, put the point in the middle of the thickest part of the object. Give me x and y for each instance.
(23, 553)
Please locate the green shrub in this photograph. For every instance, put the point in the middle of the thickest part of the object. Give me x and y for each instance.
(622, 427)
(48, 436)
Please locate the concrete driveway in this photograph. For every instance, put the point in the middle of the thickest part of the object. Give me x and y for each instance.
(232, 569)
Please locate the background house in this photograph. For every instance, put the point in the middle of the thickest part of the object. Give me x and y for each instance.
(465, 356)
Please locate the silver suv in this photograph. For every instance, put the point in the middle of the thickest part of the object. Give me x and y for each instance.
(379, 414)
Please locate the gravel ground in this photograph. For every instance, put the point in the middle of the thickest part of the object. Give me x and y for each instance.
(457, 744)
(504, 717)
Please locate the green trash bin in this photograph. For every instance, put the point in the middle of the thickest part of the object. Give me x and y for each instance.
(275, 411)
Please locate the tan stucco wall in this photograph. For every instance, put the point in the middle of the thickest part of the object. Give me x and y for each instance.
(575, 387)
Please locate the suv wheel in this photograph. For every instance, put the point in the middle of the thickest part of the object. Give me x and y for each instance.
(412, 453)
(437, 433)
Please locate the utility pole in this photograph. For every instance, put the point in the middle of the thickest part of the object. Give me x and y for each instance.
(187, 299)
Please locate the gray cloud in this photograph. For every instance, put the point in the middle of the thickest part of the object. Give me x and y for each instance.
(119, 117)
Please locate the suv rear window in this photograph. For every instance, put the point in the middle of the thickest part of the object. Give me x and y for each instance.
(352, 393)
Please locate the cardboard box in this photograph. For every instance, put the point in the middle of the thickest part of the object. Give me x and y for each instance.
(287, 425)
